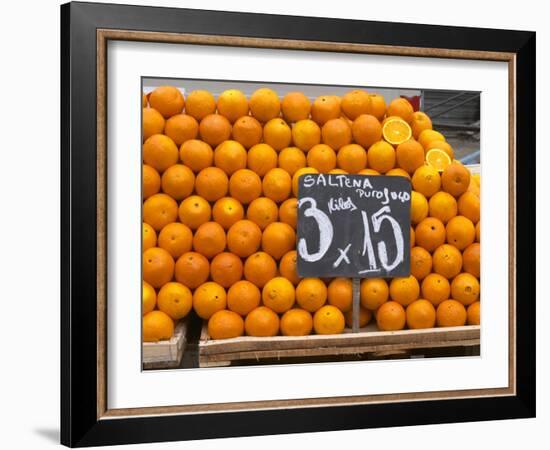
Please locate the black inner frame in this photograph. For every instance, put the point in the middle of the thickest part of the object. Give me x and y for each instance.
(79, 423)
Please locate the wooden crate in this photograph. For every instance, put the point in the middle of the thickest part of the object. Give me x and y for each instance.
(166, 354)
(367, 341)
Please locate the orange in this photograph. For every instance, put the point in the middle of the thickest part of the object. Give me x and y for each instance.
(277, 185)
(426, 180)
(159, 210)
(296, 176)
(474, 187)
(178, 181)
(460, 232)
(295, 106)
(160, 152)
(438, 159)
(404, 290)
(395, 130)
(291, 159)
(149, 298)
(149, 237)
(443, 206)
(401, 107)
(157, 326)
(181, 128)
(421, 263)
(296, 322)
(420, 314)
(227, 211)
(420, 122)
(243, 297)
(322, 158)
(337, 171)
(225, 324)
(264, 104)
(473, 314)
(451, 313)
(470, 259)
(144, 101)
(369, 172)
(356, 102)
(419, 207)
(352, 158)
(478, 231)
(200, 103)
(311, 294)
(397, 172)
(340, 294)
(436, 288)
(324, 108)
(413, 240)
(167, 100)
(390, 316)
(247, 131)
(288, 212)
(377, 106)
(455, 179)
(366, 130)
(336, 133)
(197, 155)
(365, 316)
(278, 238)
(176, 238)
(287, 267)
(429, 135)
(230, 156)
(153, 123)
(194, 211)
(214, 129)
(150, 181)
(430, 233)
(232, 104)
(447, 261)
(409, 155)
(208, 299)
(374, 292)
(469, 206)
(329, 320)
(209, 239)
(192, 269)
(157, 266)
(381, 157)
(277, 134)
(261, 322)
(259, 268)
(243, 238)
(443, 146)
(262, 211)
(226, 269)
(211, 183)
(305, 134)
(261, 159)
(278, 294)
(245, 186)
(175, 299)
(465, 288)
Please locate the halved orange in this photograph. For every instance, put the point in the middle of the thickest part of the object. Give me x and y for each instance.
(396, 131)
(438, 159)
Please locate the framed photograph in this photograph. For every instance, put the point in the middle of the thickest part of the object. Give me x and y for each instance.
(272, 224)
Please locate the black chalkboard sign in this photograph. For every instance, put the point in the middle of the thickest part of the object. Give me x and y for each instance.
(353, 226)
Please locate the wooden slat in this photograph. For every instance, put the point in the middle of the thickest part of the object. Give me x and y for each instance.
(166, 354)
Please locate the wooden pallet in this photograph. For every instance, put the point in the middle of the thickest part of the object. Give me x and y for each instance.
(368, 340)
(166, 354)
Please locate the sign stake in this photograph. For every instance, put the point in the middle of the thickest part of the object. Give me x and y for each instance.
(356, 298)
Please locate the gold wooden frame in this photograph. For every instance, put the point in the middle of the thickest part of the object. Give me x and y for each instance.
(104, 35)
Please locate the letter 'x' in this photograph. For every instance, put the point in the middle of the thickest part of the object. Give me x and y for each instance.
(343, 256)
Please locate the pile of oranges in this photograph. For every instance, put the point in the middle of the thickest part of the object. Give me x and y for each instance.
(220, 213)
